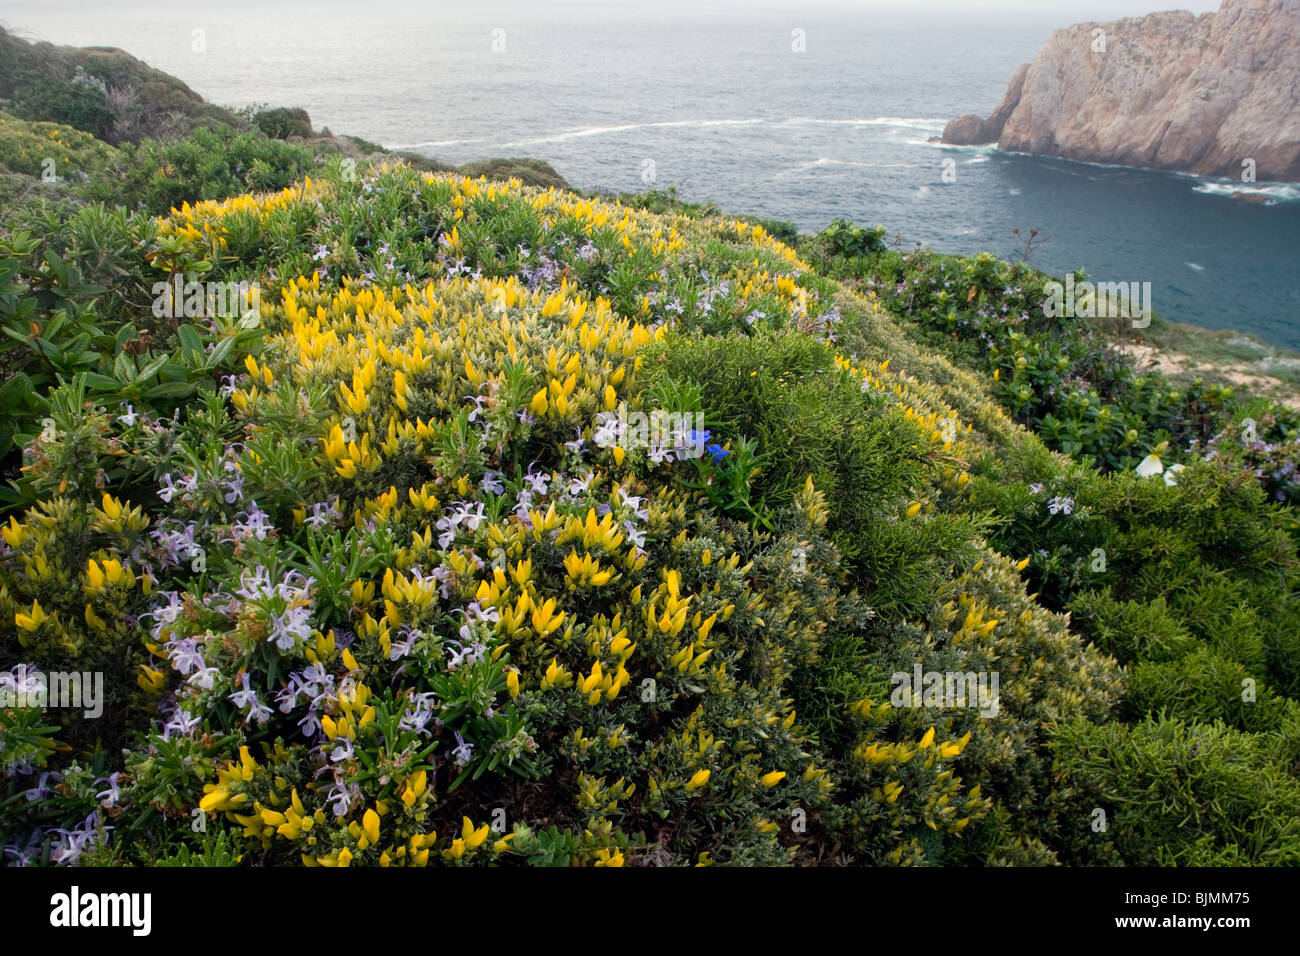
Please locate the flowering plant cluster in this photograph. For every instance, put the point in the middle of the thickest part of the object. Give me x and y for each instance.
(386, 588)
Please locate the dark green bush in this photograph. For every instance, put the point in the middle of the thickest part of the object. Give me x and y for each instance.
(1202, 687)
(157, 176)
(780, 229)
(843, 238)
(80, 103)
(283, 122)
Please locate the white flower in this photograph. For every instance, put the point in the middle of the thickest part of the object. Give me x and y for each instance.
(204, 679)
(635, 537)
(609, 430)
(1151, 465)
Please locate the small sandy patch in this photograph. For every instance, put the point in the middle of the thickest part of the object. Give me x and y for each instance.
(1250, 377)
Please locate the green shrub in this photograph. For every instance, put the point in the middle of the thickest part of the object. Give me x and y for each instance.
(1174, 793)
(283, 122)
(80, 103)
(217, 163)
(1060, 375)
(531, 172)
(781, 230)
(843, 238)
(1130, 630)
(1202, 687)
(809, 419)
(32, 148)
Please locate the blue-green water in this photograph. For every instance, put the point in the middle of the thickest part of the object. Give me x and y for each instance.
(714, 99)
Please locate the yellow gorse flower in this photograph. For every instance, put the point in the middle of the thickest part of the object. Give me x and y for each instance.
(31, 620)
(698, 779)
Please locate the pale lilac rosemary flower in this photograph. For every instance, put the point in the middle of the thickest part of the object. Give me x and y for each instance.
(258, 712)
(1061, 505)
(110, 795)
(463, 750)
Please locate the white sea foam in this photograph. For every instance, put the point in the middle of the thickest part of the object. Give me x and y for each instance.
(434, 143)
(825, 162)
(1270, 192)
(922, 123)
(984, 149)
(627, 128)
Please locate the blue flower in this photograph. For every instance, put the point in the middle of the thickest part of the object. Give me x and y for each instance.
(717, 451)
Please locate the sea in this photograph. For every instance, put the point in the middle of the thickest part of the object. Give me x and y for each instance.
(801, 111)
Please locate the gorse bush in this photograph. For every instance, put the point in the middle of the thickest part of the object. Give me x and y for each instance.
(380, 577)
(46, 150)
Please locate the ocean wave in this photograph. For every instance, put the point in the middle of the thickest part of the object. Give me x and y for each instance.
(434, 143)
(1278, 192)
(923, 123)
(1272, 192)
(626, 128)
(824, 162)
(984, 149)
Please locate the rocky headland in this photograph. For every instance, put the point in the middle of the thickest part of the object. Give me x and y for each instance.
(1215, 95)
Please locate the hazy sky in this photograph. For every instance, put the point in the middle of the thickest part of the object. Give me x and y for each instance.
(122, 22)
(1070, 10)
(1091, 9)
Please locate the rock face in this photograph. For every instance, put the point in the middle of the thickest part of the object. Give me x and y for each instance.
(1166, 91)
(970, 130)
